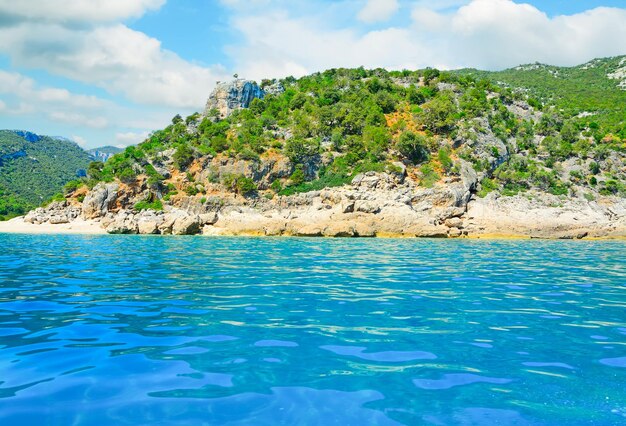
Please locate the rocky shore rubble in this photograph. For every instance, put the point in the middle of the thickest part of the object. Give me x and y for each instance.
(375, 204)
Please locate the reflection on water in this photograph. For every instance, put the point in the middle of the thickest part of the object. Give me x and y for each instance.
(132, 330)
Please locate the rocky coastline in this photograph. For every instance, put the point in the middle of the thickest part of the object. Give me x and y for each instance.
(373, 205)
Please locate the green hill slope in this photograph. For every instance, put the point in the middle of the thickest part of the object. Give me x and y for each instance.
(545, 129)
(593, 94)
(33, 168)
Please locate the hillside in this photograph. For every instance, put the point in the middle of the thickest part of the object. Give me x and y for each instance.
(334, 125)
(592, 95)
(409, 147)
(33, 168)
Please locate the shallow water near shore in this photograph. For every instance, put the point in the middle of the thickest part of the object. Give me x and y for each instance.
(99, 330)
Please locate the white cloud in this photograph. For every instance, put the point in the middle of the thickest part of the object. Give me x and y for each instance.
(78, 119)
(26, 89)
(378, 10)
(130, 138)
(491, 34)
(501, 33)
(278, 45)
(82, 142)
(77, 10)
(440, 4)
(58, 104)
(114, 57)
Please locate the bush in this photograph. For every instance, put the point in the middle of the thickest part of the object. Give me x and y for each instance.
(147, 205)
(445, 160)
(54, 198)
(127, 175)
(486, 186)
(413, 147)
(429, 176)
(300, 150)
(297, 177)
(183, 156)
(72, 186)
(239, 184)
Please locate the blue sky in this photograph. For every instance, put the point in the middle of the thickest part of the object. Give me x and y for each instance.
(110, 71)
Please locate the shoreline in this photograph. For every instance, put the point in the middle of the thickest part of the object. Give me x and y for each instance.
(76, 227)
(87, 227)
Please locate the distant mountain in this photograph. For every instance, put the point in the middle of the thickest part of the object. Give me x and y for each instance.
(103, 153)
(33, 168)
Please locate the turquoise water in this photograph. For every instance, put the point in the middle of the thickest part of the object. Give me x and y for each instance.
(139, 330)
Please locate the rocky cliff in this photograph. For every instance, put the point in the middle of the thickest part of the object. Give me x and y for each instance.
(235, 95)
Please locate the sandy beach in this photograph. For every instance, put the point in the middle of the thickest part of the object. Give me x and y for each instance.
(78, 226)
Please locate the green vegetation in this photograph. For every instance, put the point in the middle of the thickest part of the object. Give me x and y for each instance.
(149, 205)
(557, 130)
(364, 120)
(33, 168)
(584, 93)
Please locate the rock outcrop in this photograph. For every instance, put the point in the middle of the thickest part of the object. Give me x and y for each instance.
(230, 96)
(374, 204)
(100, 200)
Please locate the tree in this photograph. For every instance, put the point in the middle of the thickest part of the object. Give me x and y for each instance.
(413, 147)
(438, 115)
(376, 140)
(183, 156)
(301, 150)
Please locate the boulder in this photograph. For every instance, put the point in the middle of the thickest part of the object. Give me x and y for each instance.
(367, 207)
(186, 225)
(454, 222)
(58, 219)
(99, 200)
(148, 226)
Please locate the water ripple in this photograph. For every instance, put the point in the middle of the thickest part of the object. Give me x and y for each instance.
(234, 331)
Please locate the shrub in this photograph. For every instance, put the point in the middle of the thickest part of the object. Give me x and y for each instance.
(147, 205)
(72, 186)
(183, 156)
(445, 160)
(297, 177)
(429, 176)
(300, 150)
(239, 184)
(486, 186)
(413, 147)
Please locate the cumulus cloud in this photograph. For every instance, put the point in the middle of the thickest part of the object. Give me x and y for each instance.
(125, 139)
(496, 34)
(78, 119)
(80, 141)
(490, 34)
(123, 61)
(378, 10)
(58, 104)
(310, 47)
(80, 11)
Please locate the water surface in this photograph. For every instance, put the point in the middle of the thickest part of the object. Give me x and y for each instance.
(101, 330)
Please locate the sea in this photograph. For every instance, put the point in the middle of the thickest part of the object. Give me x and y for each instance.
(140, 330)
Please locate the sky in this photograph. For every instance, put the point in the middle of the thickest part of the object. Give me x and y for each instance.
(108, 72)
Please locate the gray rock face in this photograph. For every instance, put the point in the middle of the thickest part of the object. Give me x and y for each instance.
(263, 172)
(228, 97)
(100, 200)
